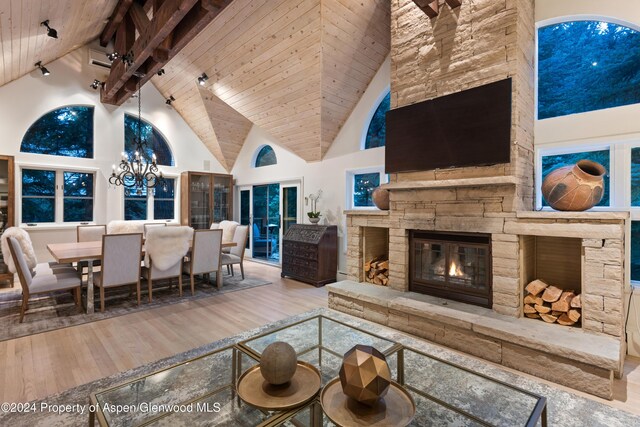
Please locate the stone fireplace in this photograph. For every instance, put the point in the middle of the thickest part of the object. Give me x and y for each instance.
(508, 244)
(451, 265)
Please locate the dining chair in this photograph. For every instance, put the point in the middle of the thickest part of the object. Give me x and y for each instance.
(120, 263)
(61, 279)
(149, 225)
(28, 252)
(89, 233)
(236, 256)
(165, 249)
(205, 255)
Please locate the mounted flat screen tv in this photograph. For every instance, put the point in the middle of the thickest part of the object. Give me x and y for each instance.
(468, 128)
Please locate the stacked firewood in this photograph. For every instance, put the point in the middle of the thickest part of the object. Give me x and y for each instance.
(377, 271)
(552, 304)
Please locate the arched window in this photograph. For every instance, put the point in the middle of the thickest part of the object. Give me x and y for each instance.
(585, 66)
(66, 131)
(376, 133)
(266, 157)
(156, 143)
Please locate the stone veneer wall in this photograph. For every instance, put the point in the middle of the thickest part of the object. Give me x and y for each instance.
(480, 42)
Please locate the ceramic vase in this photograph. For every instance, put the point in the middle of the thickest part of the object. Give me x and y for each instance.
(314, 220)
(380, 197)
(575, 188)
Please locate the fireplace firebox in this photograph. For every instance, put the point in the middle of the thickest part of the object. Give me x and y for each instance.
(456, 266)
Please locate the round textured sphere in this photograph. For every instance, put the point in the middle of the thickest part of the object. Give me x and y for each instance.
(380, 198)
(365, 374)
(278, 363)
(575, 188)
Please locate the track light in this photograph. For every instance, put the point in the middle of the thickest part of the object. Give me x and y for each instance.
(128, 58)
(160, 71)
(169, 100)
(96, 84)
(113, 56)
(45, 72)
(50, 31)
(202, 79)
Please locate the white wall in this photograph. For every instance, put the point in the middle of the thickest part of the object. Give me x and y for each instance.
(619, 125)
(25, 100)
(329, 175)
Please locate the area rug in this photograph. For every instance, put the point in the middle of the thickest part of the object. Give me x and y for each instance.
(564, 408)
(58, 310)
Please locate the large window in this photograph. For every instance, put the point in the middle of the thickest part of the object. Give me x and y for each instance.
(156, 143)
(57, 196)
(265, 157)
(585, 66)
(552, 162)
(360, 186)
(66, 131)
(160, 199)
(376, 132)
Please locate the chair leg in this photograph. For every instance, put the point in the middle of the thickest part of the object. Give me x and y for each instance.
(228, 269)
(193, 286)
(101, 298)
(78, 296)
(219, 278)
(232, 272)
(242, 270)
(180, 283)
(23, 307)
(138, 291)
(149, 287)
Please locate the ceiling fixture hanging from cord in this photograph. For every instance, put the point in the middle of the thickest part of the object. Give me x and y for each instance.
(137, 171)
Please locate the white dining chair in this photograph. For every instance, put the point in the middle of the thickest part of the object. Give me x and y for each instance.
(120, 263)
(149, 225)
(61, 279)
(205, 255)
(236, 254)
(165, 249)
(89, 233)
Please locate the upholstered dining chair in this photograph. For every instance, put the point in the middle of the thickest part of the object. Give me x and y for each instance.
(205, 254)
(165, 249)
(236, 255)
(149, 225)
(60, 279)
(228, 231)
(89, 233)
(120, 263)
(23, 239)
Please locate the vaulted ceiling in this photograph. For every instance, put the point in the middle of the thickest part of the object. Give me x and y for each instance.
(23, 41)
(296, 68)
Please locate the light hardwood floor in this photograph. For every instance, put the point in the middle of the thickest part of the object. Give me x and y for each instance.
(51, 362)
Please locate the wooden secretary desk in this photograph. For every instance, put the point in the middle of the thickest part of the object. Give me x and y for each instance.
(205, 198)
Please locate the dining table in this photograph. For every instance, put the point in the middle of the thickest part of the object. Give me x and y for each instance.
(67, 253)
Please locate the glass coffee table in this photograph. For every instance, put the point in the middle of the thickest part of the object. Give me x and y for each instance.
(201, 391)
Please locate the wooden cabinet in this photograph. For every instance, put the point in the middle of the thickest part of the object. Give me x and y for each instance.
(205, 198)
(7, 211)
(310, 253)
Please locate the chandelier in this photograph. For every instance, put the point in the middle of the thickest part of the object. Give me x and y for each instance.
(136, 171)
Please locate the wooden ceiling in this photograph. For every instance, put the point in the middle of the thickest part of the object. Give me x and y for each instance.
(24, 41)
(296, 68)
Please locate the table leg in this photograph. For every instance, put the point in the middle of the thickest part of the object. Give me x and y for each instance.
(90, 287)
(219, 278)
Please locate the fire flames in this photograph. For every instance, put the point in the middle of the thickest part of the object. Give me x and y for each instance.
(455, 270)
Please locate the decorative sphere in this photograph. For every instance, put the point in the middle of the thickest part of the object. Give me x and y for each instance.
(365, 374)
(380, 198)
(278, 363)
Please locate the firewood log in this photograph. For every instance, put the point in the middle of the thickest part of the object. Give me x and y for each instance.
(557, 313)
(377, 281)
(548, 318)
(385, 281)
(384, 264)
(551, 294)
(535, 287)
(542, 308)
(576, 302)
(528, 309)
(563, 303)
(565, 320)
(532, 315)
(367, 266)
(533, 300)
(574, 314)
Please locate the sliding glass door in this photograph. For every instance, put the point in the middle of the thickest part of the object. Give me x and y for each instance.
(269, 210)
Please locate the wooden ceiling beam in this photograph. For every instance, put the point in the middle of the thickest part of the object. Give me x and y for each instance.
(140, 18)
(430, 7)
(454, 3)
(190, 25)
(114, 21)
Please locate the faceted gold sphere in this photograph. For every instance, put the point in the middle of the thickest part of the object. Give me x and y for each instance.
(278, 363)
(365, 374)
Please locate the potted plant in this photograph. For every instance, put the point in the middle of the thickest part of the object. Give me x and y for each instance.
(314, 214)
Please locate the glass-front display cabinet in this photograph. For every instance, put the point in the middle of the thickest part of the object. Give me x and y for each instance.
(205, 198)
(7, 212)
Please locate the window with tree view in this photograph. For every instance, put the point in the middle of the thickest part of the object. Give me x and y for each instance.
(376, 132)
(135, 201)
(66, 131)
(266, 157)
(156, 143)
(586, 66)
(38, 195)
(78, 197)
(552, 162)
(363, 186)
(163, 200)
